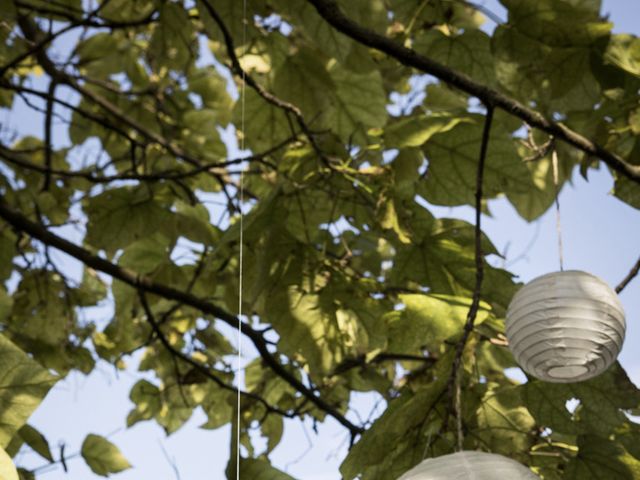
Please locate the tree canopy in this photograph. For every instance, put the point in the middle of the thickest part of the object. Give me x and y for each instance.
(348, 119)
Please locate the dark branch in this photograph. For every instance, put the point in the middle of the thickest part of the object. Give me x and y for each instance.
(32, 33)
(48, 146)
(140, 282)
(330, 11)
(212, 167)
(479, 260)
(630, 276)
(249, 80)
(361, 361)
(155, 326)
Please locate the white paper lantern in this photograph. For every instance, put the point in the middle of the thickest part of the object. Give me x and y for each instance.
(565, 326)
(469, 466)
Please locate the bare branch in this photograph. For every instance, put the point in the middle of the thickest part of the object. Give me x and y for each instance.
(630, 276)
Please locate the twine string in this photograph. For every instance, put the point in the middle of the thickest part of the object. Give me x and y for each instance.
(556, 183)
(239, 372)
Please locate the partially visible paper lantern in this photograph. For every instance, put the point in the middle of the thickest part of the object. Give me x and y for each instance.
(565, 326)
(469, 466)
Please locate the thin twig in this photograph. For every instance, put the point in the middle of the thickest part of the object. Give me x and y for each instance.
(13, 157)
(630, 276)
(48, 145)
(175, 353)
(237, 69)
(453, 385)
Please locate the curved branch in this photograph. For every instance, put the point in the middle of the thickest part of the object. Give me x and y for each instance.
(141, 282)
(329, 10)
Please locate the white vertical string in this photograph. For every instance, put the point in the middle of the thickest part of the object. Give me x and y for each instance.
(239, 374)
(556, 183)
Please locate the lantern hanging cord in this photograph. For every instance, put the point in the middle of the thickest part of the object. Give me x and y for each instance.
(556, 183)
(239, 381)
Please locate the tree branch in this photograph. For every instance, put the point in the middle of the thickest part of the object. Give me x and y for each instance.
(479, 260)
(630, 276)
(141, 282)
(48, 145)
(330, 11)
(32, 33)
(268, 96)
(197, 365)
(14, 158)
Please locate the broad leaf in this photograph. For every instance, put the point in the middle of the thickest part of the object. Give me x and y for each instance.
(23, 385)
(7, 468)
(102, 456)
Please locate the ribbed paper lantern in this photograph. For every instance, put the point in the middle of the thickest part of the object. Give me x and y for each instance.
(565, 327)
(469, 466)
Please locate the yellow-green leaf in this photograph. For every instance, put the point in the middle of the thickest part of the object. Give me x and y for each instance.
(23, 385)
(102, 456)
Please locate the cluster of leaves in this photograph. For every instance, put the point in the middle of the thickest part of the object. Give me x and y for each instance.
(361, 288)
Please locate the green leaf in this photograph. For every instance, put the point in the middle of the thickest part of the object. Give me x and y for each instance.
(333, 43)
(505, 426)
(601, 459)
(360, 103)
(258, 469)
(441, 258)
(415, 131)
(272, 428)
(389, 221)
(468, 53)
(602, 402)
(173, 41)
(623, 51)
(122, 215)
(540, 195)
(146, 397)
(405, 425)
(200, 137)
(92, 289)
(102, 456)
(307, 326)
(429, 320)
(7, 468)
(453, 158)
(124, 10)
(6, 304)
(147, 254)
(26, 474)
(303, 80)
(268, 125)
(100, 55)
(627, 191)
(212, 88)
(36, 440)
(7, 252)
(23, 385)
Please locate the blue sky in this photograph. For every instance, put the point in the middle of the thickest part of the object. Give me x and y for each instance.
(600, 236)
